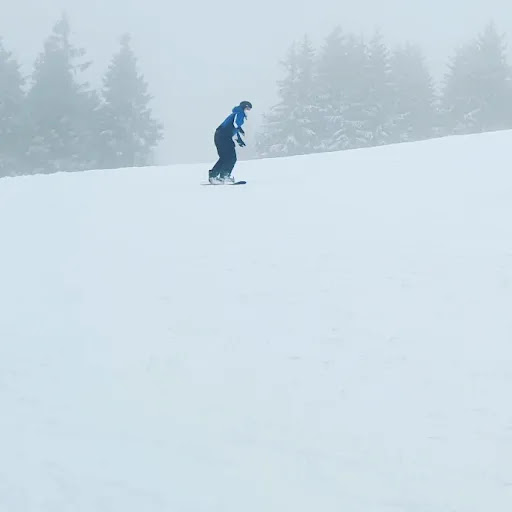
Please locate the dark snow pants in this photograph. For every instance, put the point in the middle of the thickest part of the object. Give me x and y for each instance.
(227, 154)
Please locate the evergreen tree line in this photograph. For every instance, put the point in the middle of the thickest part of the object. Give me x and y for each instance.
(54, 121)
(354, 93)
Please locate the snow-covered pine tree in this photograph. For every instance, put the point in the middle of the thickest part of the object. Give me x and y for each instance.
(62, 110)
(477, 95)
(331, 78)
(378, 105)
(341, 96)
(333, 100)
(289, 128)
(12, 136)
(271, 140)
(414, 112)
(129, 133)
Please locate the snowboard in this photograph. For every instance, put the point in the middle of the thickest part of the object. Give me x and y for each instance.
(224, 184)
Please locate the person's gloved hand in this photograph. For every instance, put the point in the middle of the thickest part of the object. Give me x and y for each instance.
(240, 142)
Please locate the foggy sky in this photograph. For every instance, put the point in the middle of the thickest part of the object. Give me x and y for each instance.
(203, 57)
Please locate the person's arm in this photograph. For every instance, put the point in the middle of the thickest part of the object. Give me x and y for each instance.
(238, 122)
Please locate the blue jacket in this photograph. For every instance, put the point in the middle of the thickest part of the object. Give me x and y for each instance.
(233, 123)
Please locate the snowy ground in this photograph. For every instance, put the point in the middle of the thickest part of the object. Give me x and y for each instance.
(336, 336)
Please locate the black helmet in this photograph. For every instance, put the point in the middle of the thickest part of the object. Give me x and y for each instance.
(246, 104)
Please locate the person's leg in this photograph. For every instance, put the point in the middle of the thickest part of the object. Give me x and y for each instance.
(222, 144)
(229, 160)
(215, 171)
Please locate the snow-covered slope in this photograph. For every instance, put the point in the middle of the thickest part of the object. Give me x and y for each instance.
(334, 336)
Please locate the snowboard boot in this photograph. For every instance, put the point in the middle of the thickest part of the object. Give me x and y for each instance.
(214, 179)
(227, 180)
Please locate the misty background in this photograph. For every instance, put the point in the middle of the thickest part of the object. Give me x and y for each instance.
(202, 58)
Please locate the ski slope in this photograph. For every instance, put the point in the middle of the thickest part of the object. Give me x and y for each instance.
(335, 336)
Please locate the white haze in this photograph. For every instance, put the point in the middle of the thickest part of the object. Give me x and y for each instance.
(201, 58)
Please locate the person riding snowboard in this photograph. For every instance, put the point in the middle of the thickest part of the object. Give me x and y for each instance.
(231, 127)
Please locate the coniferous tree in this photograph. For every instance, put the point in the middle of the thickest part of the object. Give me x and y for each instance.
(356, 94)
(338, 79)
(62, 110)
(477, 96)
(378, 93)
(413, 111)
(343, 99)
(129, 133)
(272, 140)
(12, 136)
(331, 97)
(290, 128)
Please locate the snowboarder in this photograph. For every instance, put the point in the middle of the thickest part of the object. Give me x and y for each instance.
(231, 127)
